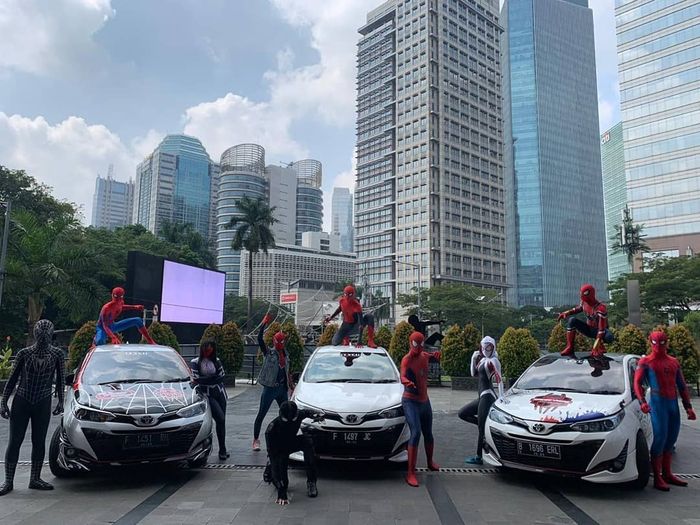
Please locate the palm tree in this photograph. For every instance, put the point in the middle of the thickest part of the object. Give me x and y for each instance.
(184, 234)
(47, 262)
(628, 238)
(252, 225)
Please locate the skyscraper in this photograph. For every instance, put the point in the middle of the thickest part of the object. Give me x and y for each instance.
(282, 195)
(556, 230)
(242, 174)
(429, 194)
(309, 196)
(614, 194)
(341, 220)
(658, 49)
(178, 182)
(112, 203)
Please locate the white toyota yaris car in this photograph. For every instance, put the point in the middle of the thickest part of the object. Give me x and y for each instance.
(573, 417)
(359, 390)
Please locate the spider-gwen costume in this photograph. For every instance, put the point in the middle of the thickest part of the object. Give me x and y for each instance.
(352, 320)
(663, 374)
(416, 405)
(108, 326)
(487, 368)
(33, 372)
(595, 326)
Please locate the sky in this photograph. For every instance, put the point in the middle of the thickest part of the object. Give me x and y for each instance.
(89, 83)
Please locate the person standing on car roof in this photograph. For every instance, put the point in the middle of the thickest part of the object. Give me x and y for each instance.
(487, 368)
(274, 376)
(353, 319)
(208, 373)
(33, 372)
(416, 405)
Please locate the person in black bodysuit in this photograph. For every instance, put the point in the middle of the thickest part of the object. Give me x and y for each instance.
(422, 327)
(282, 440)
(487, 368)
(33, 372)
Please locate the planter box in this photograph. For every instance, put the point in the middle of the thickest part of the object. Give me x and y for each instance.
(464, 383)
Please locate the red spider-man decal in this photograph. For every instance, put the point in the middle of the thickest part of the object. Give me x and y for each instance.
(548, 402)
(595, 326)
(108, 326)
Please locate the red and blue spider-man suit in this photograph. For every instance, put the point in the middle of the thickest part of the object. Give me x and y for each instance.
(415, 402)
(595, 326)
(352, 319)
(108, 326)
(663, 374)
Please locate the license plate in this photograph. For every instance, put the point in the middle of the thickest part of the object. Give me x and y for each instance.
(140, 441)
(352, 438)
(539, 450)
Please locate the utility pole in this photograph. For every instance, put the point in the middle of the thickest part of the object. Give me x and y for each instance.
(3, 252)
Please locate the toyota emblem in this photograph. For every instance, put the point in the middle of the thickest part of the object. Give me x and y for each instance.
(146, 420)
(352, 418)
(538, 427)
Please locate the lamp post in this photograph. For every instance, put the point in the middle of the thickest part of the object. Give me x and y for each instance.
(3, 249)
(420, 272)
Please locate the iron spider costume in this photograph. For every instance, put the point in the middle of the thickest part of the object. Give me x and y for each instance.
(595, 326)
(352, 319)
(487, 368)
(663, 374)
(33, 372)
(108, 326)
(416, 405)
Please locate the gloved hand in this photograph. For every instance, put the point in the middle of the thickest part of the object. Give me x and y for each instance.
(267, 319)
(691, 414)
(561, 316)
(115, 340)
(645, 407)
(437, 355)
(139, 307)
(410, 385)
(4, 410)
(319, 416)
(58, 410)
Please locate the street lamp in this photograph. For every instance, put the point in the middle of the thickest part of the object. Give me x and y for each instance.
(420, 274)
(3, 249)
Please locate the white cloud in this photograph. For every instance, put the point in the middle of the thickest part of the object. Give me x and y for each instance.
(51, 37)
(69, 155)
(606, 63)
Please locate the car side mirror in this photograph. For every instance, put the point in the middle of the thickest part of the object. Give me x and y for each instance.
(69, 379)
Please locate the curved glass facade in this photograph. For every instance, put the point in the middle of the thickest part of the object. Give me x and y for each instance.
(242, 174)
(309, 196)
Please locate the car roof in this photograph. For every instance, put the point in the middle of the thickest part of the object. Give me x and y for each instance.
(137, 347)
(584, 355)
(330, 349)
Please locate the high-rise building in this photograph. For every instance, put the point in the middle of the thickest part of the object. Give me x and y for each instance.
(178, 183)
(242, 174)
(341, 220)
(282, 195)
(429, 193)
(112, 203)
(658, 49)
(612, 157)
(554, 190)
(309, 196)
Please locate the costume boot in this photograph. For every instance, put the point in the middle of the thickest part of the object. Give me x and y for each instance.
(346, 341)
(429, 456)
(144, 333)
(411, 474)
(370, 337)
(668, 475)
(35, 481)
(599, 349)
(7, 486)
(659, 482)
(570, 339)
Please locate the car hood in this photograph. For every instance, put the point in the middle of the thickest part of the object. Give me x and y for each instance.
(559, 407)
(138, 398)
(349, 398)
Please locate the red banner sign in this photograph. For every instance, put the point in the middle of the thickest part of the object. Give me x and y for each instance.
(287, 298)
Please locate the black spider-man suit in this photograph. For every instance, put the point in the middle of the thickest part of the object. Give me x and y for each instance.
(34, 371)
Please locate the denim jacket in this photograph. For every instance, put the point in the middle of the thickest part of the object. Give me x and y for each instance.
(271, 363)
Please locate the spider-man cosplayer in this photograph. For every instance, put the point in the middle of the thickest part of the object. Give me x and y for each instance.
(33, 372)
(487, 368)
(422, 327)
(352, 320)
(595, 326)
(416, 405)
(108, 326)
(282, 439)
(662, 373)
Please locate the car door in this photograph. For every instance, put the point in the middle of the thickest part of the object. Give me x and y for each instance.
(634, 406)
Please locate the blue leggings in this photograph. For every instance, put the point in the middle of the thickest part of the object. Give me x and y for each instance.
(666, 422)
(269, 394)
(419, 417)
(101, 336)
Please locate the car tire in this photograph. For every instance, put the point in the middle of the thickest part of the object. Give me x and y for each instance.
(56, 469)
(643, 463)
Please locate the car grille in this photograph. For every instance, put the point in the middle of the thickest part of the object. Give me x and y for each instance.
(381, 442)
(110, 447)
(574, 458)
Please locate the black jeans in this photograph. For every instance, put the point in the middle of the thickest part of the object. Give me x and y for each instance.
(574, 323)
(476, 412)
(269, 394)
(278, 463)
(21, 414)
(346, 328)
(217, 402)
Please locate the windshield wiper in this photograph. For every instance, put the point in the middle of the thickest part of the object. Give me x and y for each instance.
(343, 381)
(385, 381)
(562, 389)
(118, 381)
(606, 392)
(176, 380)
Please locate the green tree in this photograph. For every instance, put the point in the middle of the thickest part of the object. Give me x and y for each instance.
(236, 310)
(186, 235)
(327, 335)
(628, 238)
(232, 348)
(682, 346)
(163, 335)
(213, 332)
(383, 337)
(517, 350)
(399, 342)
(29, 195)
(628, 340)
(455, 356)
(692, 322)
(557, 340)
(252, 226)
(294, 346)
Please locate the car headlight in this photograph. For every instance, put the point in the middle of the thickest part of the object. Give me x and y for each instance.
(499, 416)
(600, 425)
(193, 410)
(88, 414)
(392, 413)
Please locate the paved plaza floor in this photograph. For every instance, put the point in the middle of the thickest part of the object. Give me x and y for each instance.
(349, 493)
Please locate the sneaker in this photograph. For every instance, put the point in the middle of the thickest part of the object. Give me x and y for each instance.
(223, 455)
(311, 490)
(256, 445)
(474, 460)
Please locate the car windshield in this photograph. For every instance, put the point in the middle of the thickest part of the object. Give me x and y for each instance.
(601, 375)
(350, 367)
(131, 366)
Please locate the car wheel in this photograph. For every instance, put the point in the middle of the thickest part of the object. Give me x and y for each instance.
(56, 469)
(643, 463)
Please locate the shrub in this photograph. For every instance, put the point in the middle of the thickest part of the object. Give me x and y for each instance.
(383, 337)
(557, 340)
(399, 342)
(163, 335)
(294, 346)
(682, 346)
(327, 335)
(454, 360)
(215, 333)
(517, 350)
(692, 323)
(5, 365)
(232, 348)
(629, 340)
(472, 339)
(80, 344)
